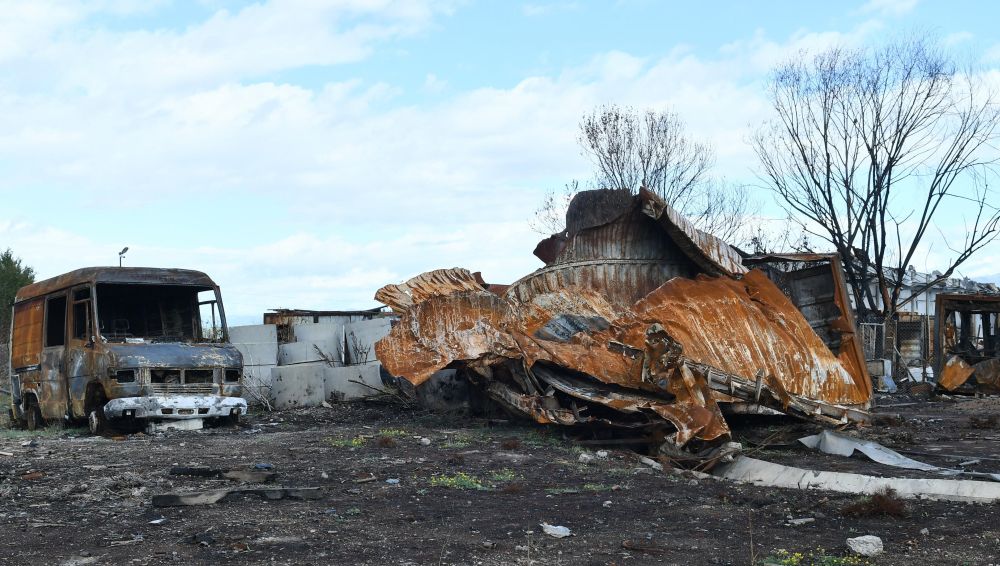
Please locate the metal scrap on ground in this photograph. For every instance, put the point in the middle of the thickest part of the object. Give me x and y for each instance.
(639, 321)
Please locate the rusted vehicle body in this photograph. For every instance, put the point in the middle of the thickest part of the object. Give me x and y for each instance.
(967, 342)
(123, 345)
(639, 321)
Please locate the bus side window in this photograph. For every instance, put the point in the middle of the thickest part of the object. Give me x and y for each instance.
(55, 322)
(81, 314)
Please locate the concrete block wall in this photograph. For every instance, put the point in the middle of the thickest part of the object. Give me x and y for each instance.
(329, 360)
(259, 346)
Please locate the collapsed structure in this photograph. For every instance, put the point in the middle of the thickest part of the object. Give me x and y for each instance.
(967, 331)
(640, 321)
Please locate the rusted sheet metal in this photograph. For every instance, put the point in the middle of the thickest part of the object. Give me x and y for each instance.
(655, 350)
(815, 284)
(714, 255)
(749, 325)
(26, 338)
(956, 372)
(639, 320)
(426, 285)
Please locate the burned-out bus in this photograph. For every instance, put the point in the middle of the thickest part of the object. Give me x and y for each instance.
(123, 346)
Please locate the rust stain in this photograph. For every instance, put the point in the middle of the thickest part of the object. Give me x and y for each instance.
(955, 373)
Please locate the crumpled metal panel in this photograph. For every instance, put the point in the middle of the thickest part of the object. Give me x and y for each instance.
(956, 372)
(715, 256)
(745, 328)
(433, 283)
(638, 319)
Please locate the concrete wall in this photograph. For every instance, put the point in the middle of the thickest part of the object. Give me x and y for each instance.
(297, 375)
(259, 346)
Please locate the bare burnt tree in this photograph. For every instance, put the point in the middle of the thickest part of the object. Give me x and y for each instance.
(871, 147)
(630, 149)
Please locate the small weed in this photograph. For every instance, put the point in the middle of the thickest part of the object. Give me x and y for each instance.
(538, 439)
(817, 557)
(386, 442)
(355, 442)
(504, 475)
(882, 504)
(596, 487)
(393, 432)
(458, 440)
(353, 512)
(461, 480)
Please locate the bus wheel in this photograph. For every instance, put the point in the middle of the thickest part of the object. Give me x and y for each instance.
(33, 416)
(97, 421)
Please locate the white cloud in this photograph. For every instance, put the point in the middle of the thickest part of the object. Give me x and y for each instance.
(375, 190)
(893, 8)
(957, 38)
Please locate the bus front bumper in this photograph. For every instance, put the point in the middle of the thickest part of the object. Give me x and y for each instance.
(175, 407)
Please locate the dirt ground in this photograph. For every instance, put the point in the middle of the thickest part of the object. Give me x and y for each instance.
(468, 492)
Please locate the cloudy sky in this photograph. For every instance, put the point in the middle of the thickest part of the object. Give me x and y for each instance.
(305, 153)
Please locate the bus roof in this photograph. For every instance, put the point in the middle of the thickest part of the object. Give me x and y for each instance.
(119, 275)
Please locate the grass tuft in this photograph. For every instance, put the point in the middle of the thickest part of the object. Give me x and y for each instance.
(461, 480)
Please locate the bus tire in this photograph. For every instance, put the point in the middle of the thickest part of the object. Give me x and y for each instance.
(33, 415)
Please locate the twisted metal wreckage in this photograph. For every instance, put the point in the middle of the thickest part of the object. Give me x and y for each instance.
(640, 321)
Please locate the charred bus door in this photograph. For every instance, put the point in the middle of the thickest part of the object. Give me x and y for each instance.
(50, 390)
(81, 355)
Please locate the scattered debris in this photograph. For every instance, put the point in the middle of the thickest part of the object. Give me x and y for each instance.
(967, 342)
(651, 463)
(246, 476)
(556, 531)
(837, 444)
(217, 495)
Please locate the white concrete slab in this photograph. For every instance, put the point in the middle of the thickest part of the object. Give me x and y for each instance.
(301, 385)
(254, 334)
(258, 354)
(257, 384)
(345, 383)
(320, 332)
(759, 472)
(360, 338)
(305, 352)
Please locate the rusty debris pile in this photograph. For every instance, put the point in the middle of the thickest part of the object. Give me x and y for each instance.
(640, 322)
(968, 356)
